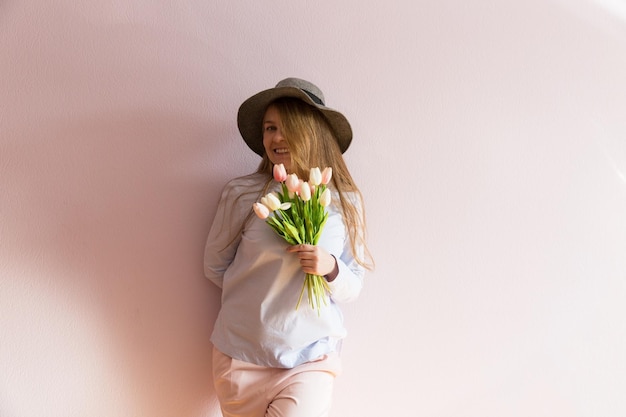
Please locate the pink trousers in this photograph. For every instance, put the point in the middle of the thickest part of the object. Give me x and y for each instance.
(247, 390)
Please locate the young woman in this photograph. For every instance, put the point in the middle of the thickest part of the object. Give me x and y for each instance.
(269, 358)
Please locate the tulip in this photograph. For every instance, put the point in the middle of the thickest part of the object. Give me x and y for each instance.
(315, 176)
(296, 190)
(271, 201)
(293, 183)
(305, 191)
(325, 198)
(327, 174)
(261, 210)
(280, 174)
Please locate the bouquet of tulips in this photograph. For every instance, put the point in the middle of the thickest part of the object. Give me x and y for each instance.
(298, 214)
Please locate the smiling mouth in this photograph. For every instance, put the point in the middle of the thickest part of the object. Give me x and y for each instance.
(281, 151)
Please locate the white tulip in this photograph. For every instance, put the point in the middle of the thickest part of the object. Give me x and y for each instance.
(325, 198)
(315, 176)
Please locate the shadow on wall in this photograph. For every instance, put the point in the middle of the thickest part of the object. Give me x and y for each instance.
(108, 222)
(112, 161)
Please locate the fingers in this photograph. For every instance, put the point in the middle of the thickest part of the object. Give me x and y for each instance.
(302, 248)
(306, 251)
(313, 259)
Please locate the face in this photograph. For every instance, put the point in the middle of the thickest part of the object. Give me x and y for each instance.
(273, 141)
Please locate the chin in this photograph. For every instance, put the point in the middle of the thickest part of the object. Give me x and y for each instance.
(285, 161)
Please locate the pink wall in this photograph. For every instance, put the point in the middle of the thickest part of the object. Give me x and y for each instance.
(490, 146)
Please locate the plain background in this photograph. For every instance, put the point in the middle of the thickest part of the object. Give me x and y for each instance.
(490, 145)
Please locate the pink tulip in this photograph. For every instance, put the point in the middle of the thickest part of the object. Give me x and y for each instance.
(293, 183)
(325, 198)
(327, 174)
(305, 191)
(315, 176)
(261, 210)
(280, 174)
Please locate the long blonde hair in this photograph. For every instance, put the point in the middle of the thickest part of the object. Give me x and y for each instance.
(312, 143)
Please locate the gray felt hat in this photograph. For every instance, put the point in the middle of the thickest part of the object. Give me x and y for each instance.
(251, 112)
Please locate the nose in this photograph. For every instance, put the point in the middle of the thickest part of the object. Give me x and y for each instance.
(278, 136)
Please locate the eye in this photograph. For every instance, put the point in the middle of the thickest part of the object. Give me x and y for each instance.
(270, 128)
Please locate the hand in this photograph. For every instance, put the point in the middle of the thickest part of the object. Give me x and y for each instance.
(316, 260)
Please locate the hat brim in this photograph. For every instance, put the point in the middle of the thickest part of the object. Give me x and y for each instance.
(251, 113)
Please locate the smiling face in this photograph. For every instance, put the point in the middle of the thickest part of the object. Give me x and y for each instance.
(275, 145)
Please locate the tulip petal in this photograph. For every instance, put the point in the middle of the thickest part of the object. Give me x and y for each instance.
(261, 210)
(315, 176)
(293, 183)
(305, 191)
(280, 174)
(325, 198)
(327, 174)
(273, 202)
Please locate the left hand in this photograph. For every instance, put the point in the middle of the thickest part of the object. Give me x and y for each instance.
(316, 260)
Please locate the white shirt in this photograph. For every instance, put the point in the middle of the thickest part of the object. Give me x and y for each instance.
(261, 282)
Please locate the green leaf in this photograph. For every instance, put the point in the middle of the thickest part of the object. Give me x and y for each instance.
(293, 232)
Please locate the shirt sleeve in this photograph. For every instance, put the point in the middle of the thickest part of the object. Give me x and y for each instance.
(223, 238)
(348, 283)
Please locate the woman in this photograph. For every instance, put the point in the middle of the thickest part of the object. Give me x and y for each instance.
(270, 359)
